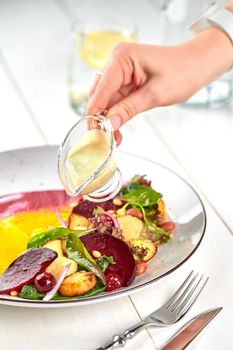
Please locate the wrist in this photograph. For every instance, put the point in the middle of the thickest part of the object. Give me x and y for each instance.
(213, 51)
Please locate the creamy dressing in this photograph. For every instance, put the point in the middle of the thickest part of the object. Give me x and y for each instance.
(85, 157)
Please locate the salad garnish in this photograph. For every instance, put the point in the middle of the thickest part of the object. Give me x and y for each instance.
(98, 248)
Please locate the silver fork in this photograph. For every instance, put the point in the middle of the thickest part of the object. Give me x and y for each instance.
(170, 312)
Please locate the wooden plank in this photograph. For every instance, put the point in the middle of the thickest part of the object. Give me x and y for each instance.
(34, 39)
(17, 129)
(84, 327)
(202, 140)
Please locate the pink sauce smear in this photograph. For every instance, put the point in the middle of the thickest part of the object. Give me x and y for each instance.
(15, 203)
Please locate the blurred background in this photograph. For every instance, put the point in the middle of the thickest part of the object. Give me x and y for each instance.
(50, 51)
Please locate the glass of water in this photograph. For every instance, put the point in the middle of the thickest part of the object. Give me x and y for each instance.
(92, 43)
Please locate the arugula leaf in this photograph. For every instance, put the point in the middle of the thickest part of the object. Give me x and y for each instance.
(145, 195)
(59, 232)
(77, 252)
(146, 198)
(104, 261)
(160, 233)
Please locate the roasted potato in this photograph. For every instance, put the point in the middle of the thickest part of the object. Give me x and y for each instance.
(76, 220)
(63, 244)
(55, 245)
(143, 249)
(78, 284)
(57, 267)
(162, 208)
(131, 227)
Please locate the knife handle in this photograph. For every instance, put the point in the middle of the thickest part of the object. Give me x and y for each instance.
(119, 341)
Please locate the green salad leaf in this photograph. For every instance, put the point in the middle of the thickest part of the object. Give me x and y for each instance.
(60, 232)
(160, 233)
(77, 252)
(145, 198)
(104, 261)
(91, 293)
(144, 195)
(30, 292)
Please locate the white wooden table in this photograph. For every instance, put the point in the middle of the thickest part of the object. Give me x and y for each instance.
(198, 144)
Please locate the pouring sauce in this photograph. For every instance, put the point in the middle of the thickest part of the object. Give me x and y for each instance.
(85, 157)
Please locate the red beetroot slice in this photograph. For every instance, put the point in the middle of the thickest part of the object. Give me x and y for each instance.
(86, 207)
(111, 246)
(25, 268)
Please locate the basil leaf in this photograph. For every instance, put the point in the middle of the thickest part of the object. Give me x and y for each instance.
(44, 237)
(104, 261)
(77, 252)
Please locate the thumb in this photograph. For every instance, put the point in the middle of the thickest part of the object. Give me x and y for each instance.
(129, 106)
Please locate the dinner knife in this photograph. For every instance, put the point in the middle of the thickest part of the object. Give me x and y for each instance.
(182, 338)
(190, 330)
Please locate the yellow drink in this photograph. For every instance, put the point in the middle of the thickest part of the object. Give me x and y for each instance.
(93, 43)
(97, 45)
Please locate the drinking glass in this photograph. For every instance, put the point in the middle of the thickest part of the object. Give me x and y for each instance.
(92, 43)
(98, 181)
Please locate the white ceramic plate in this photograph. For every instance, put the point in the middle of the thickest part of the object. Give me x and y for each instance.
(35, 169)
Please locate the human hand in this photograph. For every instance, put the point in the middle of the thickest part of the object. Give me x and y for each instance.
(139, 77)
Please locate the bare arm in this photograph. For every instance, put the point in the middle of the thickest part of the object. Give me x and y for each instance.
(139, 77)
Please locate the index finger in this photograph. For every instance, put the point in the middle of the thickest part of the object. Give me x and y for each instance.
(106, 87)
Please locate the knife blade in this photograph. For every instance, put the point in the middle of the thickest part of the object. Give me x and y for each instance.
(190, 330)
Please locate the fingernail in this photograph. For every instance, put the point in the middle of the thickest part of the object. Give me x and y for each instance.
(116, 121)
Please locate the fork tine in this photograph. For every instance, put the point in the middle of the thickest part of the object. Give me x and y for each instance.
(190, 286)
(177, 293)
(189, 301)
